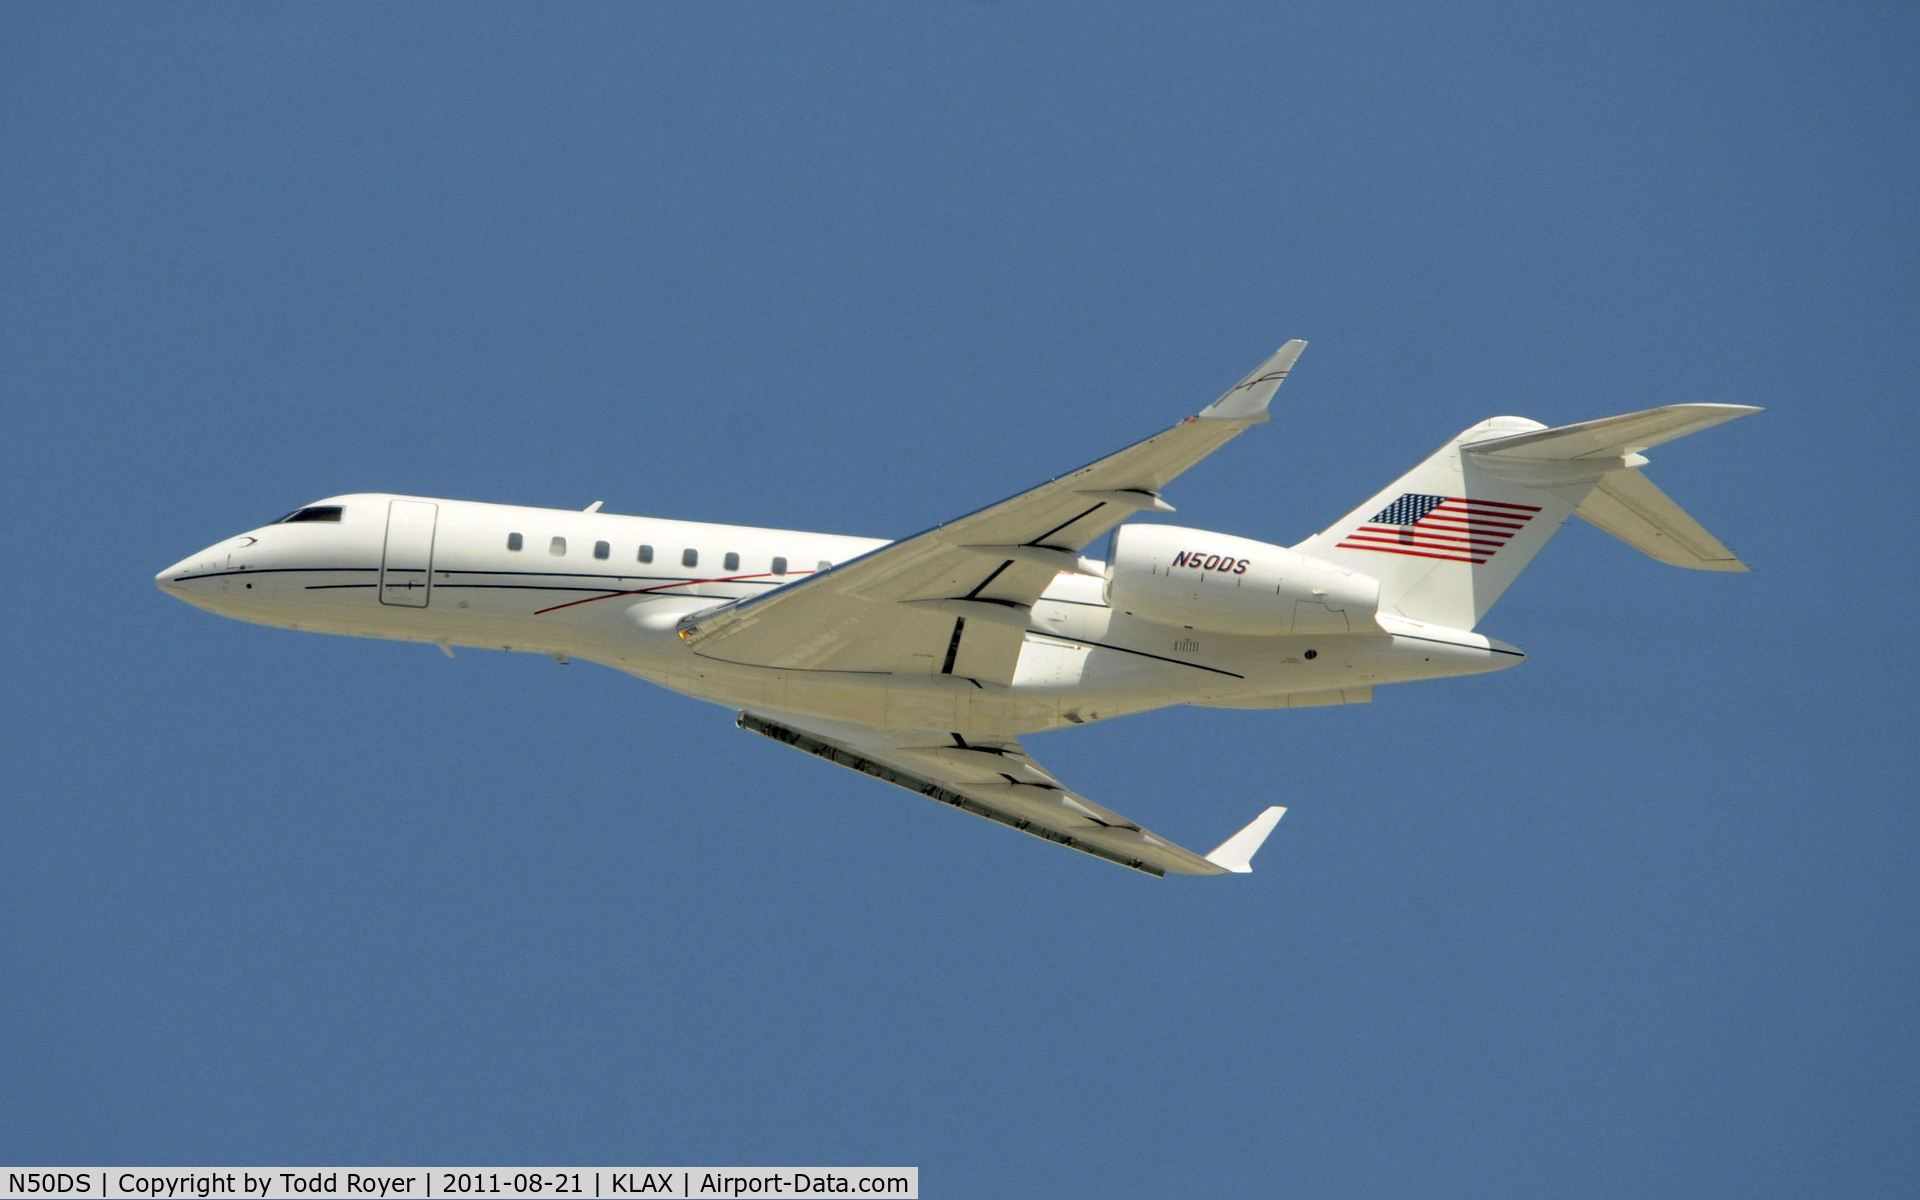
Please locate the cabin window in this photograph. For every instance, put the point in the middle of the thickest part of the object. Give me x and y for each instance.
(779, 566)
(557, 547)
(689, 557)
(321, 512)
(646, 554)
(515, 541)
(601, 549)
(732, 561)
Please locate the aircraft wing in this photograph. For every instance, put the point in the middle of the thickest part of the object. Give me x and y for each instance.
(955, 599)
(998, 780)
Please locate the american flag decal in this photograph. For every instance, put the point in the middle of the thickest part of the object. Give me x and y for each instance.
(1450, 528)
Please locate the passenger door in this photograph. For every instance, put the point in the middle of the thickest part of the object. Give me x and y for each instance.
(406, 565)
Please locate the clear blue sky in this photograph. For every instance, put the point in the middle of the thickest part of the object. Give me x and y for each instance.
(1637, 918)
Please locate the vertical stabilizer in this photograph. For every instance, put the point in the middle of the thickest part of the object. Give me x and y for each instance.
(1447, 538)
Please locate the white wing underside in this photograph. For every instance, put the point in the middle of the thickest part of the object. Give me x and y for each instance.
(955, 599)
(1000, 781)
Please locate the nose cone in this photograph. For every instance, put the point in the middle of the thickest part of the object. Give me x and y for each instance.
(168, 580)
(198, 578)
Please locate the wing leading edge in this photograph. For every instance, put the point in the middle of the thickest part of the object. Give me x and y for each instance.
(1000, 781)
(954, 600)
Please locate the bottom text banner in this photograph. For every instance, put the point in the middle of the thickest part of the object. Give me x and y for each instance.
(452, 1183)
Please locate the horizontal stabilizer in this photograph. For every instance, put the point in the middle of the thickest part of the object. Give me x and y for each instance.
(1609, 437)
(1236, 853)
(1627, 505)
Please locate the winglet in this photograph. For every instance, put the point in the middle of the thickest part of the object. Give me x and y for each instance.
(1248, 399)
(1236, 853)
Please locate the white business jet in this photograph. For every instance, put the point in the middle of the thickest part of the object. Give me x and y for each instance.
(921, 661)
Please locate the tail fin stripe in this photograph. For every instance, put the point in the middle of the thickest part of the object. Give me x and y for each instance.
(1491, 538)
(1410, 553)
(1497, 504)
(1394, 537)
(1460, 517)
(1447, 512)
(1442, 538)
(1475, 514)
(1503, 528)
(1410, 544)
(1484, 514)
(1460, 522)
(1413, 507)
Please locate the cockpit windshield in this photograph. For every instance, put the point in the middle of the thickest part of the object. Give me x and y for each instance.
(318, 512)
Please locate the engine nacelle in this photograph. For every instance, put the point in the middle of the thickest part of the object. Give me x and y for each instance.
(1213, 581)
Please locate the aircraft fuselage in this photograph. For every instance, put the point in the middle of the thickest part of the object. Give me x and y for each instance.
(613, 589)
